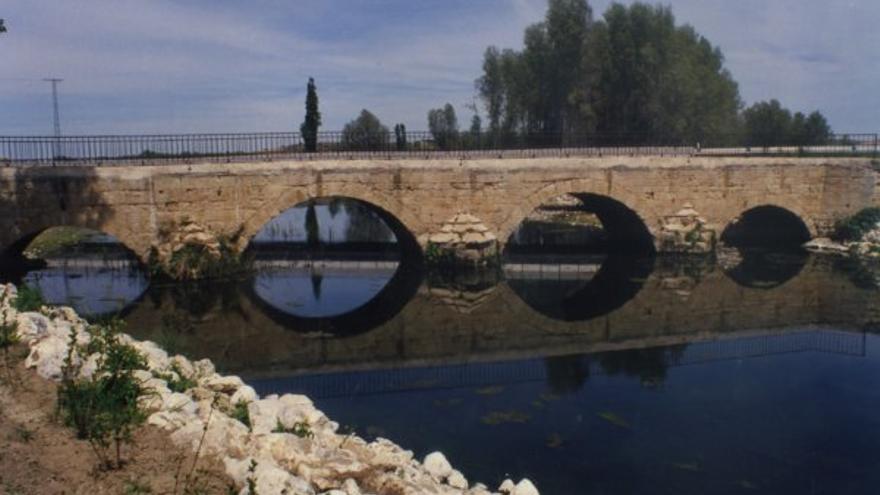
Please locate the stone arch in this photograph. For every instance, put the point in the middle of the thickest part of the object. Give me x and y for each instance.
(16, 246)
(778, 223)
(580, 188)
(402, 222)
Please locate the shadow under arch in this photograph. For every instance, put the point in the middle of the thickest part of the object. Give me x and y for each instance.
(627, 259)
(768, 239)
(766, 226)
(90, 270)
(385, 305)
(618, 280)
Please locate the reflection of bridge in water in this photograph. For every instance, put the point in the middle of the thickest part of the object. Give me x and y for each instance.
(494, 374)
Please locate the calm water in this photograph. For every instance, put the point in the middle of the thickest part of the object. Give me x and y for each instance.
(587, 374)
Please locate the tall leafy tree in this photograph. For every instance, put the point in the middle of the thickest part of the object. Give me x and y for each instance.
(660, 82)
(767, 123)
(365, 133)
(443, 124)
(309, 127)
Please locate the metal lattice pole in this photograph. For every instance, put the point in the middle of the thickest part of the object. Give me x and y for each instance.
(57, 121)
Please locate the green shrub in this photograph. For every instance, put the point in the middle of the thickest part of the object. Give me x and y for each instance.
(240, 412)
(856, 226)
(28, 299)
(103, 409)
(300, 429)
(181, 383)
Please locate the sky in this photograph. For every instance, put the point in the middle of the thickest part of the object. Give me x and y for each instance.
(162, 66)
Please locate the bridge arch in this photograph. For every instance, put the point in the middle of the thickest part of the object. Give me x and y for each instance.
(392, 211)
(618, 219)
(768, 225)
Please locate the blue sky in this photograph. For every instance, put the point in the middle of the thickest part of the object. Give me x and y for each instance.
(151, 66)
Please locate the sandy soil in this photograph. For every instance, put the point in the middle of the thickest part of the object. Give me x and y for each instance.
(38, 455)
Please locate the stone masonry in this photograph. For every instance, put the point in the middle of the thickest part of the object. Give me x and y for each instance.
(131, 202)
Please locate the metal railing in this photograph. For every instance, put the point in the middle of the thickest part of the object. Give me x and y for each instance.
(191, 148)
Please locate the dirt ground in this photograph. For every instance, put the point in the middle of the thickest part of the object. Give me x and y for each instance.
(40, 456)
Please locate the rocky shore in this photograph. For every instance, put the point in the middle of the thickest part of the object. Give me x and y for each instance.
(288, 446)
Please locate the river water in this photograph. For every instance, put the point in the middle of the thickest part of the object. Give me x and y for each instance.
(586, 374)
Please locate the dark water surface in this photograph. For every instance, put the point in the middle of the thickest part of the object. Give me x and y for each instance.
(587, 374)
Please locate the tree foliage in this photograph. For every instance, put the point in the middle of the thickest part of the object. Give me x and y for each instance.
(634, 72)
(768, 123)
(365, 133)
(400, 137)
(2, 26)
(309, 127)
(443, 124)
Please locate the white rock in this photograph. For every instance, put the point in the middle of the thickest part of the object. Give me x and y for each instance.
(47, 356)
(245, 394)
(437, 466)
(269, 478)
(32, 326)
(224, 384)
(525, 487)
(203, 368)
(184, 365)
(224, 437)
(457, 480)
(507, 487)
(157, 359)
(351, 487)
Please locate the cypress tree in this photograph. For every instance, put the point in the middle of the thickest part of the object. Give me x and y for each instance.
(309, 128)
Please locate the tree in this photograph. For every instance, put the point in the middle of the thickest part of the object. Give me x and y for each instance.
(767, 123)
(443, 125)
(400, 137)
(365, 133)
(816, 130)
(309, 127)
(659, 82)
(2, 26)
(313, 238)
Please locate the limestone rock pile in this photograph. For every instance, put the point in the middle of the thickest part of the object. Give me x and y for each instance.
(297, 449)
(465, 239)
(686, 232)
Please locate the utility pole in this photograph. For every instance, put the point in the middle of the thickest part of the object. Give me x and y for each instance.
(57, 146)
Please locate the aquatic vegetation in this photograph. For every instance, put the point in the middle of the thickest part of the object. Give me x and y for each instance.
(615, 419)
(856, 226)
(693, 467)
(489, 390)
(501, 417)
(554, 441)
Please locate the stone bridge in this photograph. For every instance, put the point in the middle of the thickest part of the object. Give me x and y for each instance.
(419, 198)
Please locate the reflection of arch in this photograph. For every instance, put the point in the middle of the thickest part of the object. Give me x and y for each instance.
(759, 269)
(398, 217)
(625, 227)
(618, 280)
(396, 294)
(767, 226)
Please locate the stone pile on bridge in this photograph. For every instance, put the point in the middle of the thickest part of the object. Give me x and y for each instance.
(465, 239)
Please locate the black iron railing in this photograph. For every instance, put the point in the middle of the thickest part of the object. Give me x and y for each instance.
(190, 148)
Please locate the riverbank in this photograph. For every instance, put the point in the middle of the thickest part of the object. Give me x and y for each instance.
(265, 445)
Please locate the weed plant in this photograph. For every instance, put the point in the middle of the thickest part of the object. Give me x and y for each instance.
(28, 299)
(104, 409)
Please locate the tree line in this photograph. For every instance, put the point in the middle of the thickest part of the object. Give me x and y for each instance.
(634, 76)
